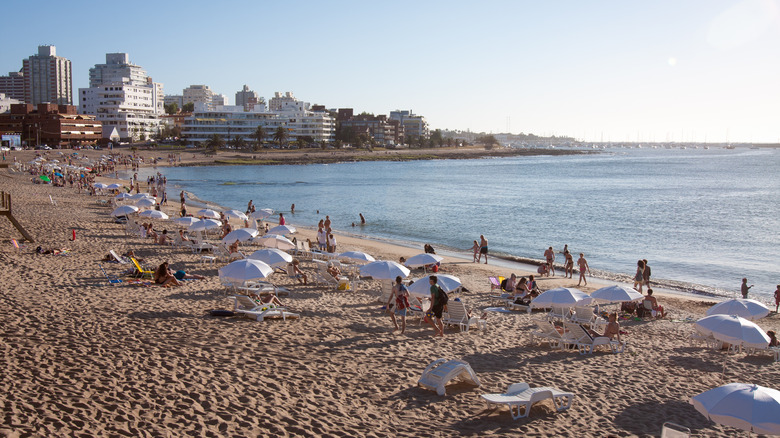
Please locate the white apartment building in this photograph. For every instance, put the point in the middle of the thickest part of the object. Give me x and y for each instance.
(122, 96)
(203, 94)
(414, 126)
(6, 102)
(230, 121)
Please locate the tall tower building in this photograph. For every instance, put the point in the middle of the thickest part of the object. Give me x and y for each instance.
(247, 98)
(13, 85)
(47, 78)
(124, 98)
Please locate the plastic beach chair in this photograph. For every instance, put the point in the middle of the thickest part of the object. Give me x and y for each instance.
(113, 281)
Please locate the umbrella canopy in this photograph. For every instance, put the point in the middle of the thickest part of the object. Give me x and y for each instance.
(207, 213)
(121, 196)
(261, 214)
(276, 241)
(357, 256)
(244, 270)
(97, 185)
(748, 407)
(235, 214)
(185, 221)
(145, 202)
(558, 297)
(423, 260)
(282, 230)
(114, 186)
(384, 270)
(204, 224)
(124, 210)
(272, 257)
(748, 309)
(153, 214)
(733, 329)
(58, 174)
(138, 196)
(422, 287)
(241, 234)
(616, 294)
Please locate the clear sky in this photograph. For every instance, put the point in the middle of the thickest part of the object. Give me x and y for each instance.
(690, 70)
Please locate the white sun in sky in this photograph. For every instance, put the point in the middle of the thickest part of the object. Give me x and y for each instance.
(672, 61)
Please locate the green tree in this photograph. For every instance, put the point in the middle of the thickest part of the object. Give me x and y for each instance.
(280, 135)
(171, 108)
(436, 138)
(260, 136)
(238, 142)
(215, 143)
(188, 107)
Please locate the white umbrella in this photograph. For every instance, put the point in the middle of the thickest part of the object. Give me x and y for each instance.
(422, 287)
(145, 203)
(272, 257)
(282, 230)
(207, 213)
(153, 214)
(114, 186)
(276, 241)
(384, 270)
(734, 330)
(261, 214)
(100, 186)
(357, 256)
(742, 405)
(235, 214)
(241, 234)
(124, 210)
(244, 270)
(185, 221)
(616, 294)
(121, 196)
(558, 297)
(748, 309)
(138, 196)
(204, 224)
(424, 259)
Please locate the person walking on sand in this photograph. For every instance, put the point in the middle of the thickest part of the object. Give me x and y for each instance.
(549, 256)
(483, 248)
(777, 298)
(639, 277)
(568, 265)
(745, 288)
(583, 264)
(437, 307)
(475, 248)
(401, 296)
(646, 274)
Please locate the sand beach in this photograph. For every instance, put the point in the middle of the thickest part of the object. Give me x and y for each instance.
(81, 357)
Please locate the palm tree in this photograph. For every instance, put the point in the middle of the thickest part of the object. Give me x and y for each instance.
(260, 136)
(215, 143)
(280, 135)
(238, 142)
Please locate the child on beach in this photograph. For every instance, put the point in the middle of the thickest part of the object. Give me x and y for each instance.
(401, 296)
(745, 288)
(475, 248)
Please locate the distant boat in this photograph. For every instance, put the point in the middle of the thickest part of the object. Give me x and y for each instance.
(730, 147)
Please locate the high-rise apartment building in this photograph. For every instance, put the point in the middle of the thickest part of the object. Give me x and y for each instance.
(13, 85)
(247, 98)
(47, 78)
(415, 127)
(122, 96)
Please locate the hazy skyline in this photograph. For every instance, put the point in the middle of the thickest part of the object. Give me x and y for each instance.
(614, 71)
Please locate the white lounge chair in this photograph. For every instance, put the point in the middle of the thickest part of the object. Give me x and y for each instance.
(672, 430)
(546, 332)
(440, 371)
(246, 306)
(458, 315)
(520, 397)
(575, 334)
(120, 259)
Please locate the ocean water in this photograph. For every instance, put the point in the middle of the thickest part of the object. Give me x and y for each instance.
(703, 218)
